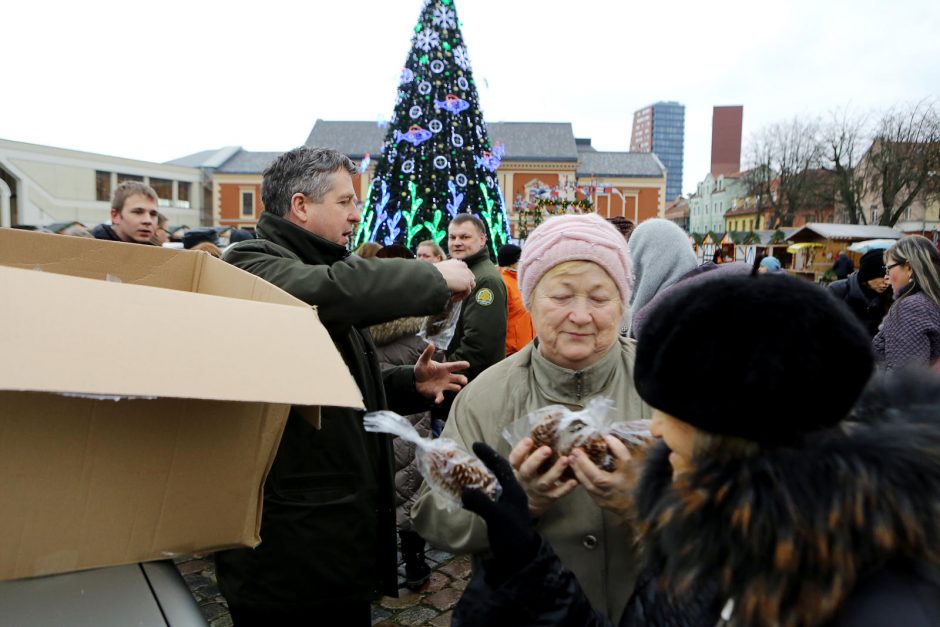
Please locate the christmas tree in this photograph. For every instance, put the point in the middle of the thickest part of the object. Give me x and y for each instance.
(437, 160)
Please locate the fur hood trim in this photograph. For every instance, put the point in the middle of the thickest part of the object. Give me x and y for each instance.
(787, 533)
(388, 332)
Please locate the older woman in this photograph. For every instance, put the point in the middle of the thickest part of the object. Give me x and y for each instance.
(575, 279)
(910, 333)
(818, 511)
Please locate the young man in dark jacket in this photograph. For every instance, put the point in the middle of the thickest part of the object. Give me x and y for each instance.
(328, 524)
(133, 214)
(866, 292)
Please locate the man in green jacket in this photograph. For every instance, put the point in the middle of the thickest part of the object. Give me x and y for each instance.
(328, 523)
(480, 335)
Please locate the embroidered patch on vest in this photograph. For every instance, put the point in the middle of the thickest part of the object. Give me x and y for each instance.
(485, 297)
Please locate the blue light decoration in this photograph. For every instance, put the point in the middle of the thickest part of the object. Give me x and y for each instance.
(364, 164)
(415, 135)
(452, 103)
(453, 205)
(380, 213)
(393, 230)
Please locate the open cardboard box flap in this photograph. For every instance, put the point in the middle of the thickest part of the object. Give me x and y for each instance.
(205, 360)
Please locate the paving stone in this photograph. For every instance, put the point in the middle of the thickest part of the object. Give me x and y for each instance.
(212, 611)
(197, 582)
(222, 621)
(439, 556)
(458, 568)
(436, 582)
(379, 614)
(419, 615)
(444, 599)
(443, 620)
(406, 598)
(459, 584)
(193, 566)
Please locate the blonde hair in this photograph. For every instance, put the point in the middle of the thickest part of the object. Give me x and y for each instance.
(924, 259)
(367, 250)
(436, 250)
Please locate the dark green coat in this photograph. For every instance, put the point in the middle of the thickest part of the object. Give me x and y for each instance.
(328, 524)
(480, 336)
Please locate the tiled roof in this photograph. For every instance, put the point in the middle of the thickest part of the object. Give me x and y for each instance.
(194, 160)
(523, 141)
(817, 230)
(245, 162)
(620, 164)
(354, 139)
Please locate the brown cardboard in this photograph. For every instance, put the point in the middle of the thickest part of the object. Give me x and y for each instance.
(115, 448)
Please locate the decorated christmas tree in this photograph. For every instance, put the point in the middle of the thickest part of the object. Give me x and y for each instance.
(437, 160)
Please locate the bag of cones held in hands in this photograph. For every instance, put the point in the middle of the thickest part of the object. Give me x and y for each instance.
(446, 468)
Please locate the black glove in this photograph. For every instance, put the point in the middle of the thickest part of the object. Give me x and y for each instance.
(512, 537)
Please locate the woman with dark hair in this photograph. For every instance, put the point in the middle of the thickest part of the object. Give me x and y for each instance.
(910, 333)
(818, 511)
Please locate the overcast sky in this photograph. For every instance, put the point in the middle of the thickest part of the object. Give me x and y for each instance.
(157, 81)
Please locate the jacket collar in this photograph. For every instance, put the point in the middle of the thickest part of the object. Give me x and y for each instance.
(574, 387)
(311, 248)
(478, 256)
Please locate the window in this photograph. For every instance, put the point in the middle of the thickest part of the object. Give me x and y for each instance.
(182, 194)
(102, 186)
(874, 216)
(164, 189)
(248, 203)
(129, 177)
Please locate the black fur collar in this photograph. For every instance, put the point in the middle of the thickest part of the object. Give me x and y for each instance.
(788, 532)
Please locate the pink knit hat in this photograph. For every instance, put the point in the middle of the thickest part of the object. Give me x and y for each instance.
(564, 238)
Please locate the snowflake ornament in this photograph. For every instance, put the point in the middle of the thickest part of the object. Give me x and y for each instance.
(428, 39)
(444, 17)
(461, 57)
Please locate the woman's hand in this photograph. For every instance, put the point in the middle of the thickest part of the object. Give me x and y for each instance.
(612, 491)
(542, 489)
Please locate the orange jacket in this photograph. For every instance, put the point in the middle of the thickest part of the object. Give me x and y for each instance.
(519, 330)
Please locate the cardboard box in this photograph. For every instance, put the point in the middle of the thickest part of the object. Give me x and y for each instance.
(140, 415)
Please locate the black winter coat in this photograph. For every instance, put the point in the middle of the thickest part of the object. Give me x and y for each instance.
(868, 306)
(841, 531)
(328, 525)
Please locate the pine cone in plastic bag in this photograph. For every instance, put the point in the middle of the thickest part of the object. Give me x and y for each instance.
(452, 470)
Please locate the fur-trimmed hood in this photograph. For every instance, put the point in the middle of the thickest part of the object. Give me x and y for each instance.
(788, 532)
(388, 332)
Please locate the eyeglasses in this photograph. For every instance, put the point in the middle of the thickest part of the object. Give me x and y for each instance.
(891, 265)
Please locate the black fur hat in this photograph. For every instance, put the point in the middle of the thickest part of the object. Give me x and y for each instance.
(765, 358)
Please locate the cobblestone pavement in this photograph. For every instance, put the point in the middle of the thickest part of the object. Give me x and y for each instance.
(431, 605)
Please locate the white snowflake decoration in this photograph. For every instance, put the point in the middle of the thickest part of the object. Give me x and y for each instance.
(428, 39)
(444, 17)
(461, 57)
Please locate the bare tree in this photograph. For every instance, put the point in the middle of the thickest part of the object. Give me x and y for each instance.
(903, 159)
(782, 175)
(844, 139)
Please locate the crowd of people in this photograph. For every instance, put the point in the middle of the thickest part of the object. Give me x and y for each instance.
(796, 484)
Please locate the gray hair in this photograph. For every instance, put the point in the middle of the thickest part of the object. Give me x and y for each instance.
(924, 259)
(303, 170)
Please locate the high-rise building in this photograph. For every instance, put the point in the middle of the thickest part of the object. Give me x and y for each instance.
(660, 129)
(726, 140)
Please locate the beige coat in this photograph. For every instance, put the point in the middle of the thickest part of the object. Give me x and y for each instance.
(596, 545)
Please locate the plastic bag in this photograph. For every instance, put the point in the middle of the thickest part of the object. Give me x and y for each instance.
(439, 330)
(445, 467)
(563, 430)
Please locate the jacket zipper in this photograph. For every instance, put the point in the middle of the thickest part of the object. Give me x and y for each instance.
(579, 383)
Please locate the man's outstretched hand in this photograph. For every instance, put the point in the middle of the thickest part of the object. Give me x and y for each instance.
(513, 539)
(433, 378)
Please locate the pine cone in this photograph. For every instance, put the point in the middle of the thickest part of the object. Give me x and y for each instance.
(453, 471)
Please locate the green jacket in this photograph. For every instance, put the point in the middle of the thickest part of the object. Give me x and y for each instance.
(480, 336)
(596, 545)
(328, 523)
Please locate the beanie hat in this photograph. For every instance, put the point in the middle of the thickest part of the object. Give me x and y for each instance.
(198, 235)
(871, 266)
(771, 263)
(587, 237)
(508, 254)
(804, 364)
